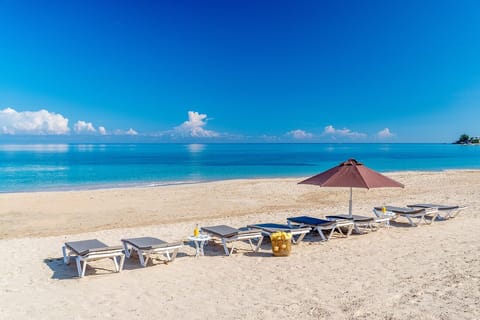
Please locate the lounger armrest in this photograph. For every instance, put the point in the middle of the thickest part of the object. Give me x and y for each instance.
(248, 233)
(171, 245)
(111, 249)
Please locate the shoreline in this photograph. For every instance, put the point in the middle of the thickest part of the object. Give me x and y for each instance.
(157, 184)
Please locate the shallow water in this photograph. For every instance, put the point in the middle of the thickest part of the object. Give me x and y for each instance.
(31, 167)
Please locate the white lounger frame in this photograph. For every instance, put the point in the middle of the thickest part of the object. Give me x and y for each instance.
(82, 260)
(145, 255)
(239, 237)
(384, 217)
(332, 227)
(430, 212)
(450, 213)
(300, 232)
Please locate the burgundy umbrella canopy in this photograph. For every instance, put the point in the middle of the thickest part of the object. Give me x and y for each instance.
(352, 174)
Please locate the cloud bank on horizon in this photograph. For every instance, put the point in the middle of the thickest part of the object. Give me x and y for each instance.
(40, 122)
(46, 123)
(194, 127)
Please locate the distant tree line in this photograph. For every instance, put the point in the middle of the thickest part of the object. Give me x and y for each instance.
(465, 139)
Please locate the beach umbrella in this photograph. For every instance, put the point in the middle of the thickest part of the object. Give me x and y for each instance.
(352, 174)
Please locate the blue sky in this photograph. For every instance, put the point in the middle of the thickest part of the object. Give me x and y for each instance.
(246, 71)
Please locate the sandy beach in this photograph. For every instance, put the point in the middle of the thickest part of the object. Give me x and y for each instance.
(402, 272)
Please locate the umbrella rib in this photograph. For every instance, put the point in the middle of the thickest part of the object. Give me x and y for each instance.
(364, 182)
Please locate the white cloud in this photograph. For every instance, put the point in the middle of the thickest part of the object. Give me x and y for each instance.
(330, 130)
(102, 130)
(40, 122)
(131, 132)
(84, 127)
(385, 133)
(193, 127)
(299, 134)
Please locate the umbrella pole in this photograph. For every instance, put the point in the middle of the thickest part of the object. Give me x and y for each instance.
(350, 203)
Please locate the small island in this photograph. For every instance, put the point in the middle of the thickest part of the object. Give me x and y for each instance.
(465, 139)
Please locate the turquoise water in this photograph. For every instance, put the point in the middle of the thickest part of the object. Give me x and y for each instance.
(82, 166)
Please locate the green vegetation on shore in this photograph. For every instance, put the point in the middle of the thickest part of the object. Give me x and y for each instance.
(465, 139)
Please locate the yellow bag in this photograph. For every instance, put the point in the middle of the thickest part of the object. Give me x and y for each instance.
(281, 243)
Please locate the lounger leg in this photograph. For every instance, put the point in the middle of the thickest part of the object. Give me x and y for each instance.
(251, 244)
(225, 247)
(330, 235)
(122, 261)
(167, 254)
(300, 238)
(143, 262)
(84, 267)
(349, 230)
(320, 232)
(422, 219)
(174, 255)
(339, 229)
(128, 252)
(259, 244)
(116, 263)
(79, 267)
(198, 248)
(66, 258)
(147, 257)
(256, 247)
(357, 230)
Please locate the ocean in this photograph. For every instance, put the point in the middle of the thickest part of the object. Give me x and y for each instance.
(50, 167)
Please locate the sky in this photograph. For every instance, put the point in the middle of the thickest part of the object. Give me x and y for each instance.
(239, 71)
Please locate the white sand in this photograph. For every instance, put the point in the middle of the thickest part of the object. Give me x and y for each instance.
(428, 272)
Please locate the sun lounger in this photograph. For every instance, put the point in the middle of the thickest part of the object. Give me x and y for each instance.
(147, 246)
(411, 213)
(228, 234)
(444, 211)
(89, 250)
(269, 228)
(386, 216)
(361, 221)
(321, 225)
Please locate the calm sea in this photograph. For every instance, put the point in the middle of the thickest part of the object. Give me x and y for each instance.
(83, 166)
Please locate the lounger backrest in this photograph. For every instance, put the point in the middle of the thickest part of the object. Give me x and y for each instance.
(401, 210)
(353, 217)
(147, 243)
(248, 232)
(168, 245)
(86, 247)
(221, 230)
(436, 206)
(308, 220)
